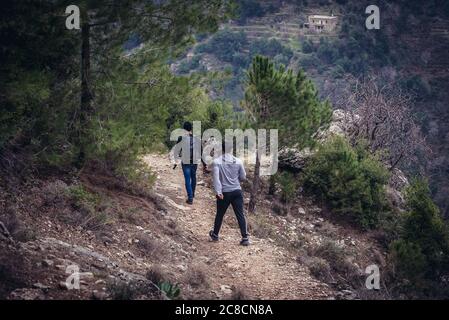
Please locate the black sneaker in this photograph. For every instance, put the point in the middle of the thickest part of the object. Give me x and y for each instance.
(213, 236)
(245, 242)
(188, 201)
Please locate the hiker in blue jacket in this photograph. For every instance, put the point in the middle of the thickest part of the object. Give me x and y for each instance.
(190, 154)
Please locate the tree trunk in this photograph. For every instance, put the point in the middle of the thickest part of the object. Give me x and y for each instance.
(396, 162)
(272, 188)
(86, 94)
(256, 185)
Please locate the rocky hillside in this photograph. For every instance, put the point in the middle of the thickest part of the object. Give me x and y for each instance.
(140, 244)
(93, 234)
(410, 50)
(426, 47)
(125, 241)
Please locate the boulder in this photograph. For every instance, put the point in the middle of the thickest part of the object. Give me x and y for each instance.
(398, 180)
(99, 295)
(394, 197)
(42, 287)
(47, 263)
(294, 160)
(26, 294)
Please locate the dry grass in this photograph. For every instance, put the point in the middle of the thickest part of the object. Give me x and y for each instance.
(320, 269)
(196, 276)
(302, 240)
(151, 247)
(122, 290)
(15, 227)
(171, 228)
(280, 208)
(76, 205)
(156, 274)
(261, 227)
(130, 216)
(328, 229)
(330, 251)
(338, 259)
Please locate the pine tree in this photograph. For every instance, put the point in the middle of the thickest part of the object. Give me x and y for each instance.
(276, 98)
(38, 58)
(421, 254)
(51, 76)
(425, 227)
(106, 24)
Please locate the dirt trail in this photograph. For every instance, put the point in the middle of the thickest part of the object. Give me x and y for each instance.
(263, 270)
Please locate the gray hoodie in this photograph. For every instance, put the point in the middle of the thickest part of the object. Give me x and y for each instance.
(228, 171)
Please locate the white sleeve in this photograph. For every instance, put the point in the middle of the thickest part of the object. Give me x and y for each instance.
(216, 177)
(242, 172)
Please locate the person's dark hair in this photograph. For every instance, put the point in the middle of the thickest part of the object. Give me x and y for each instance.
(188, 126)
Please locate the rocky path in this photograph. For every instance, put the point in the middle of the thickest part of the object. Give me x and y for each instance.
(263, 270)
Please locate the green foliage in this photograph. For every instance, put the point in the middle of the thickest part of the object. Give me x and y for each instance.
(309, 62)
(131, 107)
(137, 172)
(231, 47)
(130, 290)
(80, 195)
(224, 45)
(307, 46)
(424, 224)
(338, 72)
(188, 65)
(355, 51)
(172, 291)
(36, 104)
(350, 180)
(249, 8)
(218, 115)
(85, 205)
(421, 254)
(327, 52)
(418, 86)
(423, 9)
(332, 252)
(136, 110)
(270, 48)
(277, 98)
(122, 291)
(252, 8)
(288, 186)
(409, 261)
(364, 49)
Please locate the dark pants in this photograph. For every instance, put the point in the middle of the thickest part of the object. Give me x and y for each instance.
(234, 198)
(189, 171)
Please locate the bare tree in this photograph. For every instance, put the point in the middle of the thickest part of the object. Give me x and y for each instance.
(379, 112)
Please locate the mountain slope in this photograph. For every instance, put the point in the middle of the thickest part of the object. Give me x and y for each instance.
(159, 239)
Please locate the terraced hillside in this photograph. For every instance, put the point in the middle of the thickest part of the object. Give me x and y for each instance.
(428, 45)
(427, 51)
(285, 25)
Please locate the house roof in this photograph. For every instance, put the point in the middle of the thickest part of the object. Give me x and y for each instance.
(317, 16)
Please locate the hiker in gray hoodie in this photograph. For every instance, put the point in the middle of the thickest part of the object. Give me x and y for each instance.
(228, 172)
